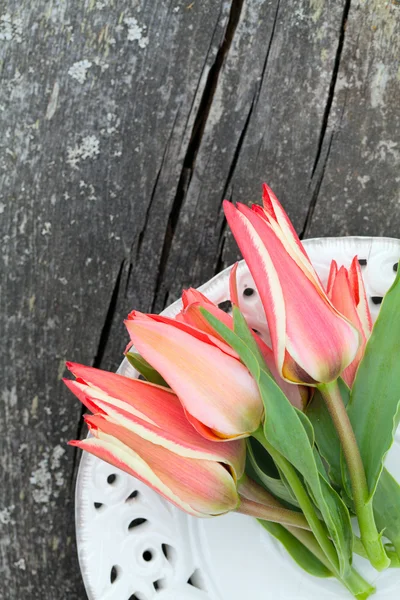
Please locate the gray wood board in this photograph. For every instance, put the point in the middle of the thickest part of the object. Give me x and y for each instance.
(82, 147)
(124, 125)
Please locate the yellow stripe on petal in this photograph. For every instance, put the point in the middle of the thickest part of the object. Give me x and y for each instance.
(264, 274)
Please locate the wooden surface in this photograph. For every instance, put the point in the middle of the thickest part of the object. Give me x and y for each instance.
(124, 123)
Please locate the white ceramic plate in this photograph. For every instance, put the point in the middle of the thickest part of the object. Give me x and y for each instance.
(133, 545)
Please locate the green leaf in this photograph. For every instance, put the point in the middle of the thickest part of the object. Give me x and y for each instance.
(243, 332)
(307, 425)
(261, 467)
(145, 369)
(387, 508)
(374, 402)
(248, 356)
(285, 431)
(302, 555)
(288, 434)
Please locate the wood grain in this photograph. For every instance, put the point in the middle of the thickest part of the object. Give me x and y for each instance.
(82, 149)
(124, 125)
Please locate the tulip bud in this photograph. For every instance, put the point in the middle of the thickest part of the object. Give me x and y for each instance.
(142, 429)
(346, 291)
(312, 342)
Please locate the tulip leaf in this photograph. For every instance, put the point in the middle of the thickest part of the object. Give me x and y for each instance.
(286, 432)
(307, 425)
(242, 330)
(374, 402)
(387, 508)
(260, 466)
(145, 369)
(300, 554)
(250, 356)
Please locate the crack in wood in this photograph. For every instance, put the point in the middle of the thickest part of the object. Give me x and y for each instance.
(324, 124)
(268, 50)
(332, 86)
(200, 79)
(105, 332)
(195, 141)
(154, 190)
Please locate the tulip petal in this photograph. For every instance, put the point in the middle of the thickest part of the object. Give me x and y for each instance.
(206, 485)
(201, 488)
(283, 228)
(76, 389)
(264, 273)
(274, 208)
(331, 278)
(160, 420)
(192, 301)
(343, 297)
(347, 292)
(358, 287)
(214, 387)
(193, 296)
(192, 331)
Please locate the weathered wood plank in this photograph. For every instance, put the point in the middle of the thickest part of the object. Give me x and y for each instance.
(98, 101)
(358, 192)
(264, 124)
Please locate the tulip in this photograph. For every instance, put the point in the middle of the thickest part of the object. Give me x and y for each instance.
(142, 429)
(312, 342)
(220, 397)
(193, 301)
(346, 291)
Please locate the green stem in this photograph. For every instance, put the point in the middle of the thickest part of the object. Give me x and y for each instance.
(357, 585)
(358, 548)
(371, 539)
(272, 513)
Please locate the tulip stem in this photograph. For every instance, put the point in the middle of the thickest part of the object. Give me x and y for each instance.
(360, 588)
(370, 537)
(272, 513)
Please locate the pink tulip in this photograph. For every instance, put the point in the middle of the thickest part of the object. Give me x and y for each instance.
(220, 397)
(142, 429)
(193, 301)
(347, 293)
(312, 342)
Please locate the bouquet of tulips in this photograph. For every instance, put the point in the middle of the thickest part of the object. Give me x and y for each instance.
(294, 433)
